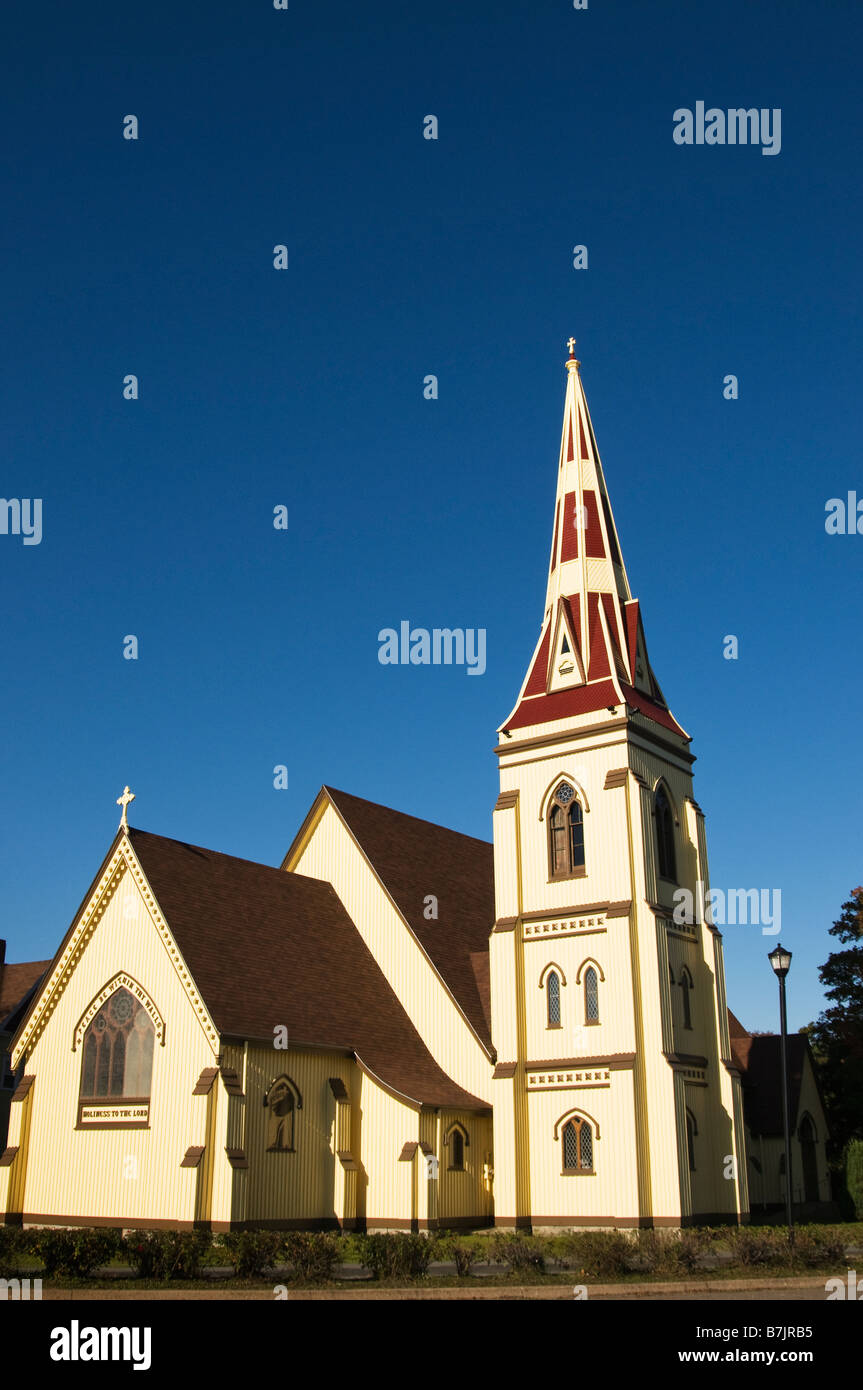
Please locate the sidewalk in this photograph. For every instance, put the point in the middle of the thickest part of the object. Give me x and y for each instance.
(519, 1292)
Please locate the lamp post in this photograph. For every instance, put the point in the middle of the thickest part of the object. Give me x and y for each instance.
(780, 959)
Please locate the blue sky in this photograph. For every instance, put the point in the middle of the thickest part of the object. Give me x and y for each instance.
(305, 388)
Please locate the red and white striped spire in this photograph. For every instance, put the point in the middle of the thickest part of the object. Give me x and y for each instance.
(591, 654)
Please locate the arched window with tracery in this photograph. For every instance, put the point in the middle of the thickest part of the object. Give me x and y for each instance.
(665, 856)
(565, 833)
(118, 1050)
(552, 990)
(591, 996)
(577, 1146)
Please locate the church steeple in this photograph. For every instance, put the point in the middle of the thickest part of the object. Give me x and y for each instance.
(591, 654)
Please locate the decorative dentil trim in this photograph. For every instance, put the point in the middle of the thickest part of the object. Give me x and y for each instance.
(120, 981)
(122, 861)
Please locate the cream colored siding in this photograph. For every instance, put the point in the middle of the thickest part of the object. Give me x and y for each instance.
(127, 1174)
(611, 1191)
(332, 854)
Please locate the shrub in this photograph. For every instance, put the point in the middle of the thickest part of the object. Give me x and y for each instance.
(464, 1251)
(759, 1245)
(818, 1246)
(74, 1253)
(599, 1254)
(854, 1176)
(313, 1254)
(253, 1253)
(524, 1254)
(395, 1256)
(11, 1249)
(167, 1254)
(673, 1252)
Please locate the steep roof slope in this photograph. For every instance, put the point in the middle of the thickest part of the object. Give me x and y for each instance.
(268, 948)
(414, 858)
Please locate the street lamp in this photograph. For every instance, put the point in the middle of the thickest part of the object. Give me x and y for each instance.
(780, 959)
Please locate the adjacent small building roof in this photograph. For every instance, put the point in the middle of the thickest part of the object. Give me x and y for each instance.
(16, 985)
(759, 1058)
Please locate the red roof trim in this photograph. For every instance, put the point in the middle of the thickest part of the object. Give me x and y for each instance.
(564, 704)
(594, 544)
(582, 440)
(652, 710)
(538, 678)
(631, 611)
(569, 541)
(600, 664)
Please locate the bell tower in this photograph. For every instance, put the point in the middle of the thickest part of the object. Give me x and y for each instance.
(616, 1099)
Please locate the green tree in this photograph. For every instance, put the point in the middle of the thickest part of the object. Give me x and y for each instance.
(837, 1036)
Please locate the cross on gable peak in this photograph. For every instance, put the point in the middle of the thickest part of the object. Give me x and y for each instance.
(124, 802)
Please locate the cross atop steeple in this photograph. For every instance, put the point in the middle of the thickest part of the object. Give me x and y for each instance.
(124, 802)
(570, 343)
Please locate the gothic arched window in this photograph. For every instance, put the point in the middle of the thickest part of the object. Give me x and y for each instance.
(808, 1139)
(565, 833)
(685, 987)
(552, 987)
(455, 1140)
(691, 1132)
(118, 1050)
(591, 996)
(665, 857)
(577, 1146)
(282, 1101)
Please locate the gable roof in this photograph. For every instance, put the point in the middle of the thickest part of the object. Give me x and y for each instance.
(759, 1058)
(414, 858)
(268, 948)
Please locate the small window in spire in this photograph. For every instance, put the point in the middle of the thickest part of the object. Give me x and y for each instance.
(565, 647)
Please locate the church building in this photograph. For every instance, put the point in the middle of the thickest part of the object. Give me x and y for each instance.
(223, 1044)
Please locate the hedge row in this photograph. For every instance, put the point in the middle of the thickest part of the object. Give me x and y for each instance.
(161, 1255)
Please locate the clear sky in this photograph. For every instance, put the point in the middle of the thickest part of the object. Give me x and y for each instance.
(304, 387)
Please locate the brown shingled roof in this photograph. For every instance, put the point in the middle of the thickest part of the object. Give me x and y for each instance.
(16, 981)
(414, 858)
(268, 948)
(759, 1058)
